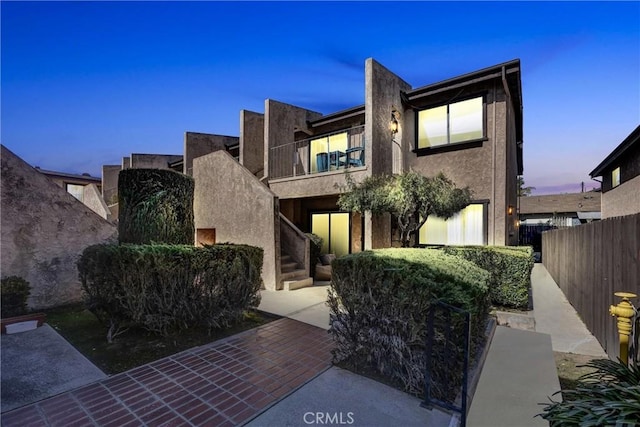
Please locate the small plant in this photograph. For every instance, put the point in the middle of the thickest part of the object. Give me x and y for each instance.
(316, 248)
(15, 291)
(608, 396)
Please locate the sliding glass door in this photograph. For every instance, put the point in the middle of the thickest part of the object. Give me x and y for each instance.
(335, 230)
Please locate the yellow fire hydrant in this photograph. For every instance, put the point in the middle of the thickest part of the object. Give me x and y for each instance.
(624, 311)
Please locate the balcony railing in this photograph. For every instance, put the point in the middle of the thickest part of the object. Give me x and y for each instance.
(319, 154)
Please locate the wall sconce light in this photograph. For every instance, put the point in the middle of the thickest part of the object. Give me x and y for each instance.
(510, 210)
(393, 125)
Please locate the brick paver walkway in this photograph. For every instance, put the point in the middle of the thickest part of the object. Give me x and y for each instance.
(224, 383)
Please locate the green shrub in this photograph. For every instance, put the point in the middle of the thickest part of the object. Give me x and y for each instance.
(379, 302)
(170, 287)
(155, 206)
(316, 248)
(609, 396)
(510, 268)
(14, 293)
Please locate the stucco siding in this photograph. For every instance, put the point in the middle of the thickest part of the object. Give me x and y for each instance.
(92, 198)
(488, 169)
(110, 183)
(622, 200)
(252, 142)
(315, 185)
(44, 231)
(280, 123)
(199, 144)
(152, 161)
(231, 200)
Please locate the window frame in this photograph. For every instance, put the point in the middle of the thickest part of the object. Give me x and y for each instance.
(615, 177)
(450, 146)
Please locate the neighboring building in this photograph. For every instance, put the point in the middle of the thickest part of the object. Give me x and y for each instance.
(560, 210)
(292, 165)
(85, 188)
(620, 172)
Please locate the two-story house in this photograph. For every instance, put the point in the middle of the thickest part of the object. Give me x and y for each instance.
(292, 163)
(620, 172)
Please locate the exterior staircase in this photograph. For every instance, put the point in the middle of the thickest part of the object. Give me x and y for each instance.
(292, 274)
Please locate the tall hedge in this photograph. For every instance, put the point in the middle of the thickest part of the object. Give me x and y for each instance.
(155, 206)
(510, 268)
(380, 300)
(171, 287)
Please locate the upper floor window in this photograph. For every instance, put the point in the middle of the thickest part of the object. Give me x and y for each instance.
(460, 121)
(76, 190)
(615, 177)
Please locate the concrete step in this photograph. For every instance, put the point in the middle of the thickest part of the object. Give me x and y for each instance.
(294, 274)
(291, 285)
(289, 266)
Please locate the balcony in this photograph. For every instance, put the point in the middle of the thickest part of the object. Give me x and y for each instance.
(319, 154)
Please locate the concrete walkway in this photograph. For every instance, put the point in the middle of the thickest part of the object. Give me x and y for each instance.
(520, 373)
(31, 368)
(555, 316)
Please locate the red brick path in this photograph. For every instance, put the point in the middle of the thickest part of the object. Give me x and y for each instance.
(224, 383)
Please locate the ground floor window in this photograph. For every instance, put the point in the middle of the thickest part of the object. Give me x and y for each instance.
(467, 227)
(335, 230)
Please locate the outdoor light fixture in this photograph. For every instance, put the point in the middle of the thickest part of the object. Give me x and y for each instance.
(510, 210)
(393, 125)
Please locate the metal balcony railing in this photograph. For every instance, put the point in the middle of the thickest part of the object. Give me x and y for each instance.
(319, 154)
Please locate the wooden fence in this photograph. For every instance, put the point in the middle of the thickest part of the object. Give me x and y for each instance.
(589, 263)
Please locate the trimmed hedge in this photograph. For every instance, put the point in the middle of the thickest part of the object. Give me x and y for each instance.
(379, 302)
(155, 206)
(170, 287)
(510, 268)
(14, 292)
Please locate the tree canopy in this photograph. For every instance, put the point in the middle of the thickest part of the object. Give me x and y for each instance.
(522, 190)
(409, 197)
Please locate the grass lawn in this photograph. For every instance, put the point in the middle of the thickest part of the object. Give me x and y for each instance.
(136, 346)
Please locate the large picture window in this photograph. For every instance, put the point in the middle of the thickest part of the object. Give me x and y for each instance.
(467, 227)
(460, 121)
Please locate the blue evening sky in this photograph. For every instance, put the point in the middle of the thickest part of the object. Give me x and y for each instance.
(86, 83)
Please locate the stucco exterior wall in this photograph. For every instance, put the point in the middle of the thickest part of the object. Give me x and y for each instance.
(231, 200)
(153, 161)
(622, 200)
(252, 142)
(280, 123)
(482, 168)
(382, 97)
(110, 183)
(44, 231)
(198, 144)
(315, 185)
(92, 198)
